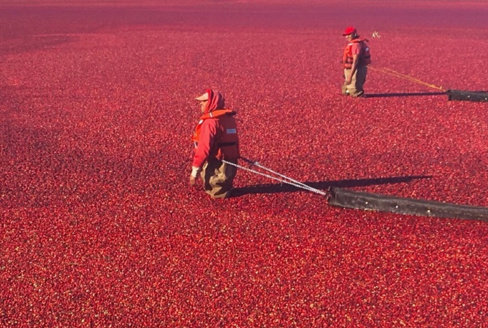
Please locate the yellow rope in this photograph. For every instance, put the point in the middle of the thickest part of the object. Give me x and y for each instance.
(406, 77)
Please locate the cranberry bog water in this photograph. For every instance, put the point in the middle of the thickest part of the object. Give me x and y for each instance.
(99, 228)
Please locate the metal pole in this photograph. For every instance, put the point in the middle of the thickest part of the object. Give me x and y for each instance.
(277, 173)
(286, 179)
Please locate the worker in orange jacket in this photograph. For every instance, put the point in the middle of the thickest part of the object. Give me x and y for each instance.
(215, 139)
(355, 59)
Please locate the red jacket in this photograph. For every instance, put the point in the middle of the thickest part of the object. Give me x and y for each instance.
(215, 136)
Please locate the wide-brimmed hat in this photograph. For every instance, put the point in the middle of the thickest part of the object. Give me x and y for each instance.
(349, 30)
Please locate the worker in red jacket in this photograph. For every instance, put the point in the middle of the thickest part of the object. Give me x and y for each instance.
(355, 59)
(215, 139)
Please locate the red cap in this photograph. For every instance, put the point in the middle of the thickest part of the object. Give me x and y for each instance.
(349, 30)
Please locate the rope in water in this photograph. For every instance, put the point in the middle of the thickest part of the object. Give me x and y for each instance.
(406, 77)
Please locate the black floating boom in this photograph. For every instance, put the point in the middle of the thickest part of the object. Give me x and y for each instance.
(384, 203)
(467, 95)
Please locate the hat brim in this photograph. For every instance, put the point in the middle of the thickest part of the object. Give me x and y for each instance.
(202, 97)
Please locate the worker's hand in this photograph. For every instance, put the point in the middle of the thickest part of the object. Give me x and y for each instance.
(348, 81)
(194, 174)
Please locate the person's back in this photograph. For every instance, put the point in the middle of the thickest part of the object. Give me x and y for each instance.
(227, 140)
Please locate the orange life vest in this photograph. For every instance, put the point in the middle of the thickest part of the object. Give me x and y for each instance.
(213, 114)
(364, 54)
(229, 140)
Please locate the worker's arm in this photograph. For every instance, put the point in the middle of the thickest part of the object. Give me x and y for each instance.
(354, 68)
